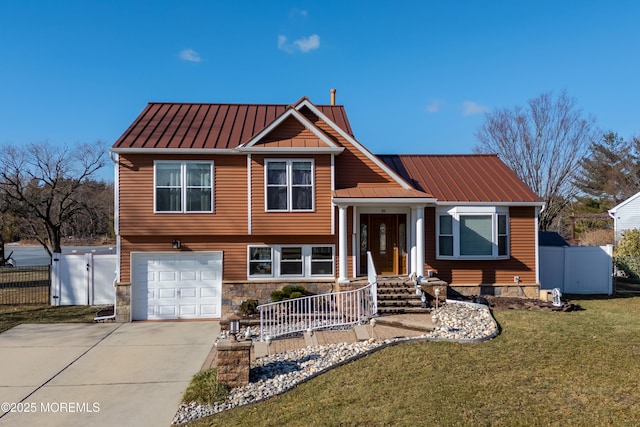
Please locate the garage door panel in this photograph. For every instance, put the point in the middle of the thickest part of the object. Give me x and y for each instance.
(190, 310)
(176, 285)
(167, 293)
(210, 310)
(188, 292)
(167, 276)
(211, 275)
(188, 275)
(167, 311)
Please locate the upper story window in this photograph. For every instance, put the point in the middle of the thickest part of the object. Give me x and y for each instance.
(289, 185)
(473, 233)
(185, 186)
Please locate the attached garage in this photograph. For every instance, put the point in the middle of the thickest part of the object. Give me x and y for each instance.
(176, 285)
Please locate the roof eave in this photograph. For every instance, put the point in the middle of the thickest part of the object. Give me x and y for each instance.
(291, 150)
(370, 201)
(490, 203)
(175, 151)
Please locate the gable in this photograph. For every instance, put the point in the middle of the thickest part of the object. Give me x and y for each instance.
(632, 203)
(291, 133)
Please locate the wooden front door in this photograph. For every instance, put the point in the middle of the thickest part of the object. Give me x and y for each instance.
(385, 236)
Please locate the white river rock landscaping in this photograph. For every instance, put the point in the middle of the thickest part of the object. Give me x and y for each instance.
(275, 374)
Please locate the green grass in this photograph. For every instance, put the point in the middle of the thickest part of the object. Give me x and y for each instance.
(204, 388)
(545, 368)
(13, 315)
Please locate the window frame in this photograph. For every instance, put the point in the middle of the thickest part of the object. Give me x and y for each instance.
(289, 184)
(183, 186)
(495, 213)
(306, 260)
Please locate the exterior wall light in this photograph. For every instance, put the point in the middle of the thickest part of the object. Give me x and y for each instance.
(175, 244)
(234, 327)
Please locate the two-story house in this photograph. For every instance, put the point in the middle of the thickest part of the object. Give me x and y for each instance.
(218, 203)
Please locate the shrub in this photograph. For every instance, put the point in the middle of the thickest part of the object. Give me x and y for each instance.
(249, 307)
(204, 388)
(627, 253)
(288, 292)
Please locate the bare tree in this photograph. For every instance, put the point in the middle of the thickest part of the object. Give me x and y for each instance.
(44, 185)
(543, 143)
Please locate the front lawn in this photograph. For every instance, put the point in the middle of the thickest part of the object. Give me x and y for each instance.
(13, 315)
(545, 368)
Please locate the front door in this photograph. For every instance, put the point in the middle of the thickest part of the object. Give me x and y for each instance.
(385, 236)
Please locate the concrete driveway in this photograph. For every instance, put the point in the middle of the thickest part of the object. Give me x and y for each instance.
(99, 374)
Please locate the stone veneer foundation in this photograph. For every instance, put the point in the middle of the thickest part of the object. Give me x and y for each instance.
(123, 302)
(234, 293)
(518, 291)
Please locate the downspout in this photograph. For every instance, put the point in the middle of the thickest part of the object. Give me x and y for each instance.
(116, 228)
(537, 240)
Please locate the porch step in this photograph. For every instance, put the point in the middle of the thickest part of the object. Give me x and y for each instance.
(382, 311)
(398, 295)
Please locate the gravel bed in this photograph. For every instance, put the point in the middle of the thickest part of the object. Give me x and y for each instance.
(275, 374)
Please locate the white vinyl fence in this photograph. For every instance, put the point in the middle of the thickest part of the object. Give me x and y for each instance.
(577, 269)
(83, 279)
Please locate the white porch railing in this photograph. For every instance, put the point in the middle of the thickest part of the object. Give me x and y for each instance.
(320, 311)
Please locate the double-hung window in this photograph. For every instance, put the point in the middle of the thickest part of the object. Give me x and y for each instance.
(291, 261)
(183, 186)
(289, 185)
(473, 233)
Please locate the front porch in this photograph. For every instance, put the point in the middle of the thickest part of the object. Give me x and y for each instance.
(397, 294)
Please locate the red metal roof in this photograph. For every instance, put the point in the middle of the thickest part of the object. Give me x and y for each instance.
(462, 178)
(221, 126)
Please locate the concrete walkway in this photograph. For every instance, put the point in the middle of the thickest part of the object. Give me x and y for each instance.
(99, 374)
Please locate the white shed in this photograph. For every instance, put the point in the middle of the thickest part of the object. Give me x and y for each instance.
(626, 216)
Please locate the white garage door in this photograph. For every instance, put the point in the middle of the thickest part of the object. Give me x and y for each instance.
(176, 285)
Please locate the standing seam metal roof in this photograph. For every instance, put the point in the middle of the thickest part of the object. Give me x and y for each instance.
(212, 126)
(462, 177)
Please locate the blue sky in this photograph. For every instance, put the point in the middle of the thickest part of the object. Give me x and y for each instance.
(414, 76)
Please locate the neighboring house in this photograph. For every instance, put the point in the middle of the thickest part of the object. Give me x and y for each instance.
(626, 216)
(218, 203)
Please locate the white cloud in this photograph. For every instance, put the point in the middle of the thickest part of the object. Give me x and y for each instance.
(303, 45)
(434, 107)
(282, 44)
(298, 12)
(310, 43)
(190, 55)
(470, 108)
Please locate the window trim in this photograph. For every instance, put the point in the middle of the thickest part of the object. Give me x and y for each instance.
(183, 185)
(307, 261)
(289, 185)
(465, 211)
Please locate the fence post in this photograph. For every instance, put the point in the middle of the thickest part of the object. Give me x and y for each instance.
(55, 279)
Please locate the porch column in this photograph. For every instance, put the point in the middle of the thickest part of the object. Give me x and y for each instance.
(342, 244)
(412, 243)
(420, 241)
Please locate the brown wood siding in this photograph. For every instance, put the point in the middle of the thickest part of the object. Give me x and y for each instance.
(317, 222)
(136, 198)
(291, 133)
(521, 263)
(353, 168)
(234, 249)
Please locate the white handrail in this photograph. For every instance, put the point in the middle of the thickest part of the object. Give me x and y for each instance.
(320, 311)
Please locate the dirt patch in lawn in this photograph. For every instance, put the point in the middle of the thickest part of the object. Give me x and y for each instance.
(513, 303)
